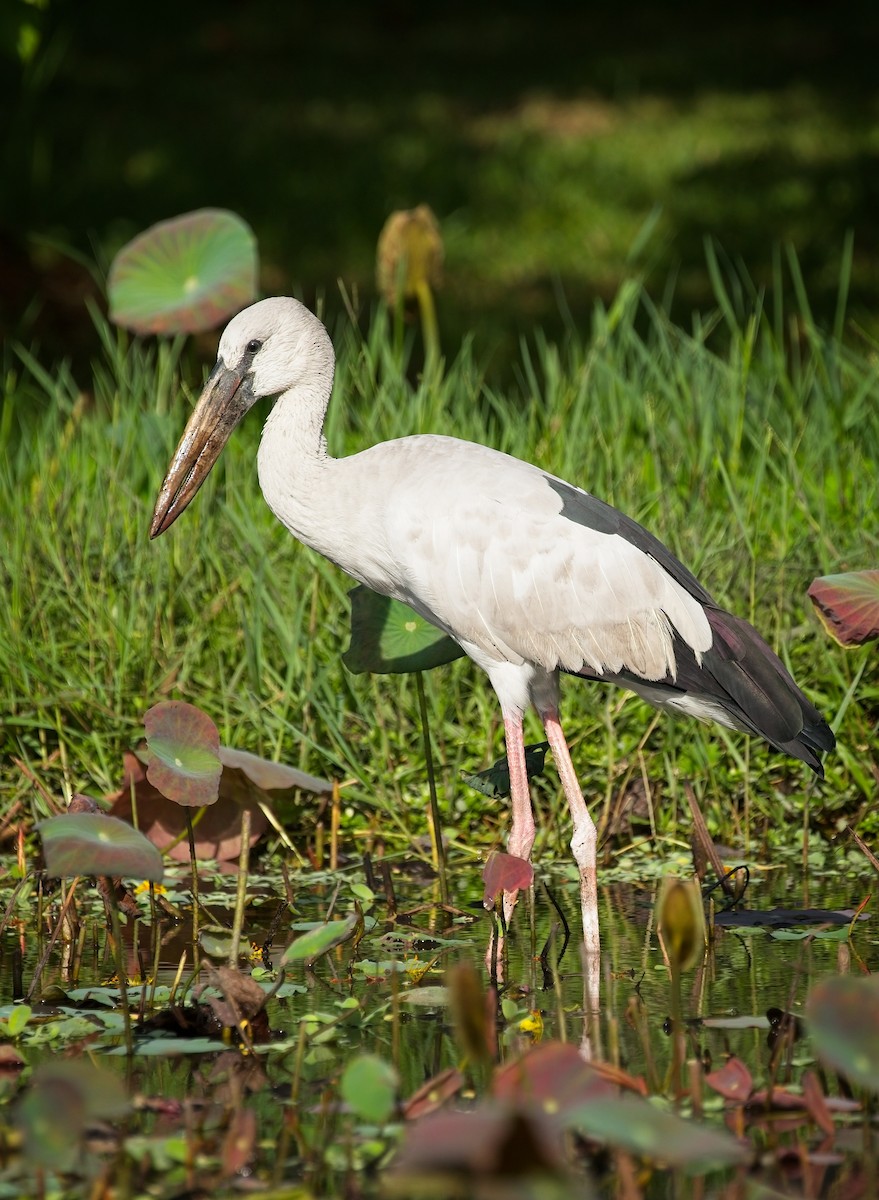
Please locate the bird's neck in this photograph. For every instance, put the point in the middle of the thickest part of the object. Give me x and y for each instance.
(293, 459)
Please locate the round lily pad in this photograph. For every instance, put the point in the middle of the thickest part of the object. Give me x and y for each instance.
(95, 844)
(184, 750)
(389, 638)
(185, 275)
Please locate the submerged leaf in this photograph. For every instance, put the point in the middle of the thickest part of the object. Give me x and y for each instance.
(185, 275)
(96, 844)
(848, 605)
(388, 637)
(184, 753)
(843, 1015)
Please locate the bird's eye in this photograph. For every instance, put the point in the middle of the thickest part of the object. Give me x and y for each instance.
(253, 346)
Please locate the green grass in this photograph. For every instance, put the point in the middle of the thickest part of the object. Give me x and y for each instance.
(757, 465)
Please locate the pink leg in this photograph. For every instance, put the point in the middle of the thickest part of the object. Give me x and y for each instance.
(521, 837)
(583, 840)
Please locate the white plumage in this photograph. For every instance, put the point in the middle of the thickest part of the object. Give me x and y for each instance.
(529, 574)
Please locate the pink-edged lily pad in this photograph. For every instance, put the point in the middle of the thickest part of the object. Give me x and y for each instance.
(96, 844)
(184, 750)
(185, 275)
(848, 606)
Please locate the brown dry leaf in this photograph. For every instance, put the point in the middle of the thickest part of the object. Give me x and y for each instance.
(242, 999)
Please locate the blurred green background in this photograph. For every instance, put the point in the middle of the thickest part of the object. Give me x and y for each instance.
(562, 147)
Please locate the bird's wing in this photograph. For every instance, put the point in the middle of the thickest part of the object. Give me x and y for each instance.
(528, 568)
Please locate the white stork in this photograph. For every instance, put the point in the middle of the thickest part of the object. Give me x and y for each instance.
(529, 574)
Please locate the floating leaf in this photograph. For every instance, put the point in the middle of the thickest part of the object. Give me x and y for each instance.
(782, 918)
(494, 781)
(388, 637)
(216, 941)
(432, 996)
(369, 1087)
(363, 893)
(505, 873)
(95, 844)
(642, 1128)
(184, 753)
(322, 938)
(848, 605)
(185, 275)
(843, 1014)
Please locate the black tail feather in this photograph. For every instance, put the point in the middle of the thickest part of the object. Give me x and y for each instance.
(745, 678)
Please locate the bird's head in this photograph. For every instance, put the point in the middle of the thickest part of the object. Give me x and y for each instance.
(269, 348)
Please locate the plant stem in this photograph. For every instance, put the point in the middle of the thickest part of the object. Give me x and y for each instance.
(120, 965)
(193, 866)
(436, 831)
(241, 893)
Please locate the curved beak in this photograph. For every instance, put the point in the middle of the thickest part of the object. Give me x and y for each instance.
(225, 399)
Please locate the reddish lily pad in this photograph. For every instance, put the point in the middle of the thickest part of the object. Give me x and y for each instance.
(390, 638)
(218, 829)
(97, 844)
(554, 1076)
(184, 753)
(432, 1095)
(489, 1141)
(848, 605)
(843, 1014)
(505, 873)
(185, 275)
(732, 1080)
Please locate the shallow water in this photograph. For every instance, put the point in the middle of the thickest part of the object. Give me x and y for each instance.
(358, 1000)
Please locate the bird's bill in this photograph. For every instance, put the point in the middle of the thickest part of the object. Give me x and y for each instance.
(223, 402)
